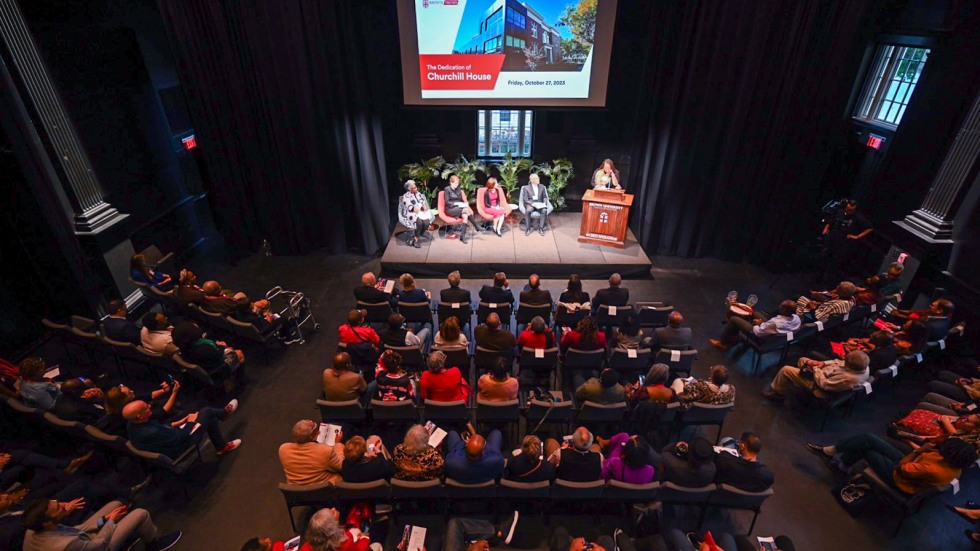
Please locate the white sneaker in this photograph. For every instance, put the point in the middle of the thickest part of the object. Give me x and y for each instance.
(232, 445)
(232, 406)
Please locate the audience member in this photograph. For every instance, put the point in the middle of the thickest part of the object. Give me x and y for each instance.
(156, 335)
(112, 528)
(466, 534)
(585, 336)
(454, 294)
(829, 376)
(573, 298)
(35, 389)
(912, 339)
(415, 459)
(824, 304)
(604, 389)
(117, 397)
(450, 335)
(117, 327)
(306, 461)
(628, 335)
(393, 383)
(370, 292)
(409, 294)
(497, 385)
(578, 460)
(79, 401)
(493, 337)
(785, 321)
(398, 334)
(742, 469)
(173, 439)
(886, 284)
(937, 318)
(440, 384)
(922, 425)
(475, 459)
(499, 292)
(144, 274)
(215, 357)
(217, 300)
(675, 335)
(653, 388)
(537, 335)
(187, 288)
(925, 467)
(715, 390)
(880, 348)
(340, 382)
(627, 460)
(325, 532)
(533, 294)
(529, 465)
(689, 464)
(614, 295)
(365, 460)
(360, 339)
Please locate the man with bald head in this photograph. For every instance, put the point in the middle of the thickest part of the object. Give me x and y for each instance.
(534, 294)
(675, 336)
(831, 376)
(215, 299)
(493, 337)
(369, 293)
(576, 460)
(475, 459)
(614, 295)
(173, 439)
(306, 461)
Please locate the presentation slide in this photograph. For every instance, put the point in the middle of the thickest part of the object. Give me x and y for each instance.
(506, 52)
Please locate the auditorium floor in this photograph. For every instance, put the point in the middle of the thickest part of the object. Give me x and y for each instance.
(237, 497)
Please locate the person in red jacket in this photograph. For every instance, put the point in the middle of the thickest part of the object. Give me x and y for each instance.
(440, 384)
(323, 533)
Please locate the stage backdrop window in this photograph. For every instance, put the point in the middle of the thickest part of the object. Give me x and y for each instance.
(890, 82)
(501, 131)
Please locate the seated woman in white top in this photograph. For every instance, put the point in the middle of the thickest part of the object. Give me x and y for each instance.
(450, 335)
(155, 335)
(414, 213)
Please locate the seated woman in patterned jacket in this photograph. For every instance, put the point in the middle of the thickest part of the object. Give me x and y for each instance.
(714, 390)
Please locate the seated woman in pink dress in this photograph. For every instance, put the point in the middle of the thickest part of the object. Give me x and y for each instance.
(495, 204)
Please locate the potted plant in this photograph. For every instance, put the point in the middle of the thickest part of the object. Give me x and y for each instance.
(466, 170)
(509, 168)
(422, 173)
(560, 171)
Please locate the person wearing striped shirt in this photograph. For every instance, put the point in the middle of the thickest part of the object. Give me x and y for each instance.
(827, 303)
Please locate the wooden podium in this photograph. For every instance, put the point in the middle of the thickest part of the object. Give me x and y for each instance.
(605, 213)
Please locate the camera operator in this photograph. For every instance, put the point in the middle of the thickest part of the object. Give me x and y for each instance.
(843, 228)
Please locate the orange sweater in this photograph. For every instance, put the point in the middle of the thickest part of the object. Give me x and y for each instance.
(919, 471)
(311, 463)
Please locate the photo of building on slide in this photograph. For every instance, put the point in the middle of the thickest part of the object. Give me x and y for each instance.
(539, 35)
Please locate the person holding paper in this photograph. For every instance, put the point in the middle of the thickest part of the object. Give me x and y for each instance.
(742, 468)
(414, 213)
(928, 466)
(578, 459)
(715, 390)
(476, 459)
(606, 176)
(415, 459)
(829, 376)
(173, 439)
(365, 460)
(457, 206)
(785, 321)
(535, 204)
(114, 527)
(369, 291)
(306, 461)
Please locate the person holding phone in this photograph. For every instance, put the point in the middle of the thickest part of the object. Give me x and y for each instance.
(111, 527)
(366, 460)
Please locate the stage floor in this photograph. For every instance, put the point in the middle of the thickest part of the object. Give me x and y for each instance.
(557, 253)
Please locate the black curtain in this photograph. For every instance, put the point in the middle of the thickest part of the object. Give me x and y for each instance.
(286, 118)
(739, 107)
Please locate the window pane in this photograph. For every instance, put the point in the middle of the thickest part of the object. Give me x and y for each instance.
(505, 132)
(891, 83)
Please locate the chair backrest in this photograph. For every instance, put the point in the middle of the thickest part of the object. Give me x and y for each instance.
(675, 493)
(480, 208)
(706, 414)
(415, 312)
(539, 359)
(565, 318)
(377, 312)
(449, 411)
(523, 490)
(348, 410)
(502, 309)
(73, 427)
(611, 315)
(441, 202)
(458, 490)
(86, 325)
(526, 312)
(497, 412)
(653, 314)
(628, 360)
(566, 489)
(616, 490)
(558, 412)
(417, 489)
(400, 410)
(54, 326)
(731, 497)
(412, 359)
(460, 310)
(21, 407)
(679, 361)
(307, 494)
(113, 441)
(247, 330)
(196, 373)
(484, 359)
(456, 356)
(362, 491)
(584, 359)
(593, 412)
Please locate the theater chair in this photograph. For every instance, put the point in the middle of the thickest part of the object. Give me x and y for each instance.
(487, 220)
(452, 224)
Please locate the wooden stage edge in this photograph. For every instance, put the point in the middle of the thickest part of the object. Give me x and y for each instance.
(556, 254)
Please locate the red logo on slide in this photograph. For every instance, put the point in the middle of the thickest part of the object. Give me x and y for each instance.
(460, 71)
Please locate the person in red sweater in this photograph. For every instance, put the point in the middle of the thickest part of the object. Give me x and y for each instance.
(323, 533)
(354, 331)
(440, 384)
(585, 336)
(537, 335)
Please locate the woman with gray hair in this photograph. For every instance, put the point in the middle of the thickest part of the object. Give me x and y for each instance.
(414, 213)
(652, 388)
(415, 459)
(441, 384)
(324, 532)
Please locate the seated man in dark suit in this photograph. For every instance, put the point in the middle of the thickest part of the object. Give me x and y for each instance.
(579, 460)
(614, 295)
(172, 439)
(79, 401)
(883, 355)
(215, 299)
(475, 459)
(743, 471)
(533, 294)
(368, 292)
(117, 327)
(938, 322)
(674, 335)
(492, 337)
(689, 464)
(498, 293)
(454, 294)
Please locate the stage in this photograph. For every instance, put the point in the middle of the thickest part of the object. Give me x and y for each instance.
(557, 253)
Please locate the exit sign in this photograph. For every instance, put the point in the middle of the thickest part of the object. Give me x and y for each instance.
(874, 141)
